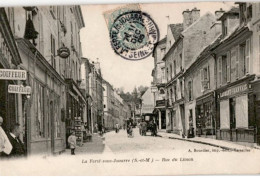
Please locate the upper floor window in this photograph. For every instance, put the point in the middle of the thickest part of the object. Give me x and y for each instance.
(53, 11)
(167, 74)
(180, 62)
(204, 75)
(53, 63)
(181, 89)
(189, 90)
(225, 27)
(175, 92)
(170, 71)
(174, 67)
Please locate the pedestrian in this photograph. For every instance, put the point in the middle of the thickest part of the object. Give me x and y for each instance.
(18, 149)
(72, 140)
(139, 127)
(117, 127)
(5, 145)
(96, 128)
(100, 129)
(154, 128)
(144, 128)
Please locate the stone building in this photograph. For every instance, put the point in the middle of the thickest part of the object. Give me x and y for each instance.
(44, 34)
(188, 41)
(158, 83)
(11, 104)
(108, 105)
(237, 75)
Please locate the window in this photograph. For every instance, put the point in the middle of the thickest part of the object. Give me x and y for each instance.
(171, 98)
(225, 29)
(204, 76)
(71, 35)
(224, 69)
(190, 90)
(175, 93)
(162, 52)
(219, 70)
(228, 67)
(174, 67)
(237, 63)
(167, 74)
(181, 88)
(53, 11)
(39, 110)
(243, 59)
(57, 117)
(180, 61)
(247, 56)
(170, 72)
(53, 63)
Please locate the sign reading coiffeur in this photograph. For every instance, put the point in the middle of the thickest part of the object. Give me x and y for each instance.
(11, 74)
(19, 89)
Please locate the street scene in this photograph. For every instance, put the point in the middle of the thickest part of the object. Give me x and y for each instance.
(116, 79)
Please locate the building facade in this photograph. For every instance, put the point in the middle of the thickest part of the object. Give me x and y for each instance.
(40, 34)
(11, 104)
(158, 84)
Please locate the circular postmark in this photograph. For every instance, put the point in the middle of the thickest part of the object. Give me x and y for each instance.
(133, 35)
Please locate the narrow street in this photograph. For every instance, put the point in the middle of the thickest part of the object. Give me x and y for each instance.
(143, 144)
(119, 143)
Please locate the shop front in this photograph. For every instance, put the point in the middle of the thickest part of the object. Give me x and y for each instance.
(235, 117)
(205, 115)
(76, 103)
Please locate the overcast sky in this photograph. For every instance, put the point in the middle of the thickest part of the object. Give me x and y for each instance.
(116, 70)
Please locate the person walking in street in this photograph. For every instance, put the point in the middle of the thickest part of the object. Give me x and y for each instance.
(18, 149)
(100, 129)
(144, 128)
(72, 140)
(139, 127)
(5, 145)
(96, 128)
(117, 127)
(154, 129)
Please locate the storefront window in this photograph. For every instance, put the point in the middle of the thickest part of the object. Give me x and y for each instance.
(57, 117)
(242, 112)
(39, 110)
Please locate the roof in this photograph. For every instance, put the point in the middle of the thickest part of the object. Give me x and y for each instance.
(176, 30)
(232, 11)
(162, 41)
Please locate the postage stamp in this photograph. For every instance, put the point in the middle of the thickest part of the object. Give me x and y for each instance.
(133, 35)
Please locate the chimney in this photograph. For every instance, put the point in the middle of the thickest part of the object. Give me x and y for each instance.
(219, 13)
(195, 14)
(187, 21)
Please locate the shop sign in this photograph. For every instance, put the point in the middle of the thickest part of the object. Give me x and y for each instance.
(19, 89)
(153, 89)
(147, 108)
(10, 74)
(234, 90)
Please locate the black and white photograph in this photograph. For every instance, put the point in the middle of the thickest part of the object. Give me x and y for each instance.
(157, 88)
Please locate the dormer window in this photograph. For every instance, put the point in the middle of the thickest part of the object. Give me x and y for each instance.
(225, 28)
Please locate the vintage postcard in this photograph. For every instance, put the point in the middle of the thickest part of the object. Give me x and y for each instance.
(130, 89)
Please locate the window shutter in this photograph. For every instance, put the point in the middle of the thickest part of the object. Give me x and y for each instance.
(237, 63)
(219, 70)
(202, 79)
(228, 66)
(247, 55)
(191, 89)
(208, 77)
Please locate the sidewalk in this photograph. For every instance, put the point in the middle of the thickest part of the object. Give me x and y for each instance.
(227, 145)
(96, 146)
